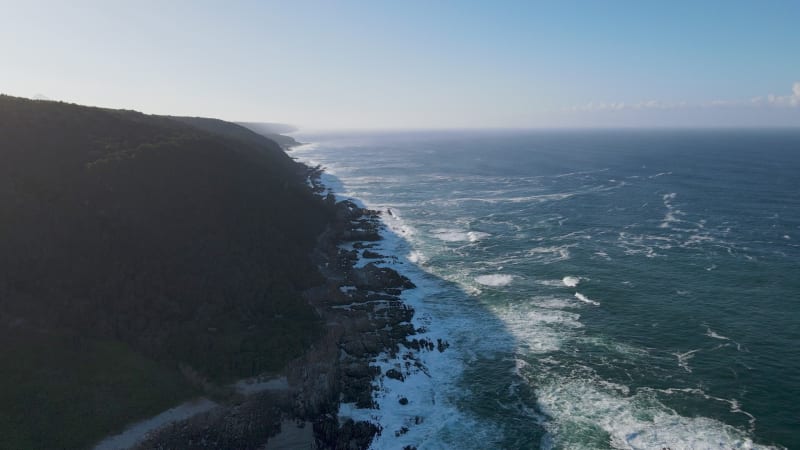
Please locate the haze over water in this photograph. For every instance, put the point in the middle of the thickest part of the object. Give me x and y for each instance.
(600, 289)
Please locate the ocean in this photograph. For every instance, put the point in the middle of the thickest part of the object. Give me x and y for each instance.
(631, 289)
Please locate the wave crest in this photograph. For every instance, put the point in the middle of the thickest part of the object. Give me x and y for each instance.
(586, 299)
(494, 280)
(570, 281)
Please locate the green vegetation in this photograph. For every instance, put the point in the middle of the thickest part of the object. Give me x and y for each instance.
(61, 392)
(132, 245)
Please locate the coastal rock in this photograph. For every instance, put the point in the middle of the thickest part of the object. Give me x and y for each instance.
(395, 374)
(361, 370)
(371, 255)
(350, 435)
(361, 235)
(347, 210)
(379, 278)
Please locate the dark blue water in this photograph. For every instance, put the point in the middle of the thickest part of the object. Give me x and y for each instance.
(601, 289)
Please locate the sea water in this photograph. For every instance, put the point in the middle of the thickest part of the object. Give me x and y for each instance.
(598, 289)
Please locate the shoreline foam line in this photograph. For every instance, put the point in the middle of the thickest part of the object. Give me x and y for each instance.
(412, 391)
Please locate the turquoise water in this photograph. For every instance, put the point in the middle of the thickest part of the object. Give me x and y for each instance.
(600, 289)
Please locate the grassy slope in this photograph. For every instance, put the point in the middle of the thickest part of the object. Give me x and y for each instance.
(130, 245)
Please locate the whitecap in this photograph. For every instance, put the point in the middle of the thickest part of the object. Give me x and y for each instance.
(668, 219)
(495, 280)
(453, 235)
(712, 334)
(672, 213)
(603, 255)
(417, 257)
(586, 299)
(450, 235)
(570, 281)
(683, 359)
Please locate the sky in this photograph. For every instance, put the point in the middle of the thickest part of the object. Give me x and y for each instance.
(415, 64)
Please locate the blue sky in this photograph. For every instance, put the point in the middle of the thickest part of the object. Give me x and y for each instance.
(426, 64)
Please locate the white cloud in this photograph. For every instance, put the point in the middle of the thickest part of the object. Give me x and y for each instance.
(770, 100)
(614, 106)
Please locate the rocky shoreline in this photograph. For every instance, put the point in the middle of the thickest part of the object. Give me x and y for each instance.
(363, 316)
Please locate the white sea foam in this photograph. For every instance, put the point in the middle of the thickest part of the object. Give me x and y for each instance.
(733, 404)
(538, 330)
(591, 411)
(683, 359)
(495, 280)
(603, 255)
(610, 345)
(541, 198)
(554, 302)
(417, 257)
(585, 172)
(643, 244)
(672, 213)
(586, 299)
(712, 334)
(475, 236)
(548, 255)
(582, 234)
(454, 235)
(570, 281)
(429, 375)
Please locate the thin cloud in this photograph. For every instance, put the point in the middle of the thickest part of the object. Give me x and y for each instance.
(771, 100)
(791, 101)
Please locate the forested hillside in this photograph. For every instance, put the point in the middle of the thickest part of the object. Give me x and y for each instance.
(272, 130)
(136, 250)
